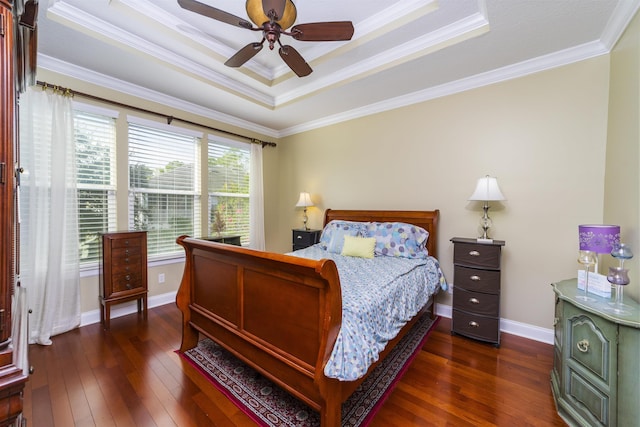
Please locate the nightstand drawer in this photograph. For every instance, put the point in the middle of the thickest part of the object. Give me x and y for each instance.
(476, 326)
(305, 238)
(477, 255)
(472, 279)
(476, 302)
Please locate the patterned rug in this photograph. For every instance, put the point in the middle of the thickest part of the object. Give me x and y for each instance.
(268, 405)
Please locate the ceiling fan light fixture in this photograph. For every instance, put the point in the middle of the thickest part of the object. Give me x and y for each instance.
(257, 16)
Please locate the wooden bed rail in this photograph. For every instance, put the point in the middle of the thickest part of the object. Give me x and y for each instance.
(280, 314)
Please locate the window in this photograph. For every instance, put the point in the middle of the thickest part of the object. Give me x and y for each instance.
(164, 189)
(228, 174)
(95, 140)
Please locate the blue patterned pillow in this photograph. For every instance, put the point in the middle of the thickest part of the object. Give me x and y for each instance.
(399, 239)
(332, 238)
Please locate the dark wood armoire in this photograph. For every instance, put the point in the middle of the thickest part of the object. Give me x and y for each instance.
(17, 70)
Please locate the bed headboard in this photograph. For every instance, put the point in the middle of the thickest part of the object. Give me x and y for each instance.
(425, 219)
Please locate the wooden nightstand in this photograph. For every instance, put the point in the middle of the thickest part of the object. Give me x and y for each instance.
(476, 291)
(305, 238)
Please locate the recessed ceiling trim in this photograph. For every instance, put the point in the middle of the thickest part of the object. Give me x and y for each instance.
(464, 29)
(374, 26)
(90, 76)
(65, 13)
(148, 9)
(542, 63)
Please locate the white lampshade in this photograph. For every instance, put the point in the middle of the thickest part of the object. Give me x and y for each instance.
(304, 200)
(487, 189)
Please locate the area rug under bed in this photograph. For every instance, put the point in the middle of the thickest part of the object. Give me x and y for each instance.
(268, 405)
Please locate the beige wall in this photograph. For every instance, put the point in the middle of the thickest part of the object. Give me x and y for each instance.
(543, 136)
(622, 180)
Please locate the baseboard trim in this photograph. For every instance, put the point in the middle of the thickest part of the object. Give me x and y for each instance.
(93, 316)
(520, 329)
(512, 327)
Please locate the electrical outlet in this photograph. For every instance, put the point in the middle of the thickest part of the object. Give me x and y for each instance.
(450, 288)
(161, 278)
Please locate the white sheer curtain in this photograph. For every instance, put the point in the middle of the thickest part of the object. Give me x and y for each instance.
(256, 199)
(49, 226)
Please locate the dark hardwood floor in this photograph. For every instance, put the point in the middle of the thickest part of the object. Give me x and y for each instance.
(131, 376)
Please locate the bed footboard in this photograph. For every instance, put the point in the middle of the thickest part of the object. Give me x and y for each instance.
(280, 314)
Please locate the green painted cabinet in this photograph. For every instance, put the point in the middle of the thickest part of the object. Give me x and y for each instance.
(596, 368)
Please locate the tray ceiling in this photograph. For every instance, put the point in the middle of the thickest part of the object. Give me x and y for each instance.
(402, 52)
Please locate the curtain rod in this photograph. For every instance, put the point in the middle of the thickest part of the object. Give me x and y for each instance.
(70, 92)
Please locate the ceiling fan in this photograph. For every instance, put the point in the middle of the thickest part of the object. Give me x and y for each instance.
(273, 17)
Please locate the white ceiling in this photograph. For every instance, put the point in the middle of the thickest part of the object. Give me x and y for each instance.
(402, 52)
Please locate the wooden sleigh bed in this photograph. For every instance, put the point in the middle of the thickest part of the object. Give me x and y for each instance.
(280, 314)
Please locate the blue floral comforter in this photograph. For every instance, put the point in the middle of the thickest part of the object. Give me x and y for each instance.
(379, 296)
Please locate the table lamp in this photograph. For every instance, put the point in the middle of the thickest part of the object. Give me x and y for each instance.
(486, 190)
(599, 238)
(304, 202)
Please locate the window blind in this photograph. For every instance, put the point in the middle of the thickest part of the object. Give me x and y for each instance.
(95, 142)
(228, 179)
(164, 189)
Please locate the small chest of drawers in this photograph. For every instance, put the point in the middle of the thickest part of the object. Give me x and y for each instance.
(476, 292)
(305, 238)
(123, 272)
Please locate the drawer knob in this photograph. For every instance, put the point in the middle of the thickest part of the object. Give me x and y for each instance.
(474, 253)
(127, 277)
(474, 324)
(298, 237)
(126, 252)
(583, 346)
(475, 278)
(474, 301)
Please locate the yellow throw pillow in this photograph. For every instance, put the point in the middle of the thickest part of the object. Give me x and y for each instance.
(358, 246)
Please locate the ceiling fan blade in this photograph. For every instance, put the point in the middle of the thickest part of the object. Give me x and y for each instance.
(212, 12)
(276, 5)
(243, 55)
(323, 31)
(295, 61)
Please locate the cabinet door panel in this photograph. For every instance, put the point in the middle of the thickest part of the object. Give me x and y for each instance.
(589, 345)
(585, 396)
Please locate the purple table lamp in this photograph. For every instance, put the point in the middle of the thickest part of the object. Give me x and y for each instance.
(598, 238)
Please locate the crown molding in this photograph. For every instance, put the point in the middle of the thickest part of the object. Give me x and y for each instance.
(546, 62)
(89, 76)
(620, 19)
